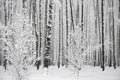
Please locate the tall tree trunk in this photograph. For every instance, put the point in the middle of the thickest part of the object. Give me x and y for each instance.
(66, 61)
(77, 13)
(119, 10)
(114, 60)
(102, 9)
(72, 17)
(5, 12)
(82, 16)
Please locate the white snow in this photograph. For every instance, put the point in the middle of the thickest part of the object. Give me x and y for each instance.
(53, 73)
(6, 75)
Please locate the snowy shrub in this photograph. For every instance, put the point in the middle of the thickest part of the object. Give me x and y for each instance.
(75, 48)
(78, 51)
(20, 45)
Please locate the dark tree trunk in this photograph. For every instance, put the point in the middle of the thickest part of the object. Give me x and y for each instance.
(82, 15)
(119, 10)
(102, 11)
(5, 12)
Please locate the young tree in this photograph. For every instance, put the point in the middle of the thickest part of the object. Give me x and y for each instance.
(20, 49)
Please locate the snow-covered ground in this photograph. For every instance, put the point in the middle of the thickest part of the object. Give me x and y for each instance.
(53, 73)
(6, 75)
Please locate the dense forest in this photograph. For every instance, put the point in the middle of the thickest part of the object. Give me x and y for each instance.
(70, 33)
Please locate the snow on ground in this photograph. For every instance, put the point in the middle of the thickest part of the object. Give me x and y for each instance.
(96, 73)
(53, 73)
(6, 75)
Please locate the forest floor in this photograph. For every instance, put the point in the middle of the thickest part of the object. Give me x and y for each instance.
(63, 73)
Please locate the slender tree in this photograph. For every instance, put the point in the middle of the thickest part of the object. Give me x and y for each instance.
(114, 60)
(102, 11)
